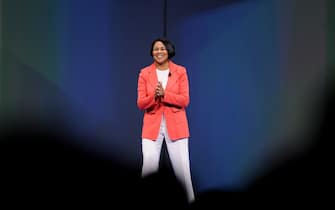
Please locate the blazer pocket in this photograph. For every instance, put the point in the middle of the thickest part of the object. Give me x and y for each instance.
(151, 112)
(174, 109)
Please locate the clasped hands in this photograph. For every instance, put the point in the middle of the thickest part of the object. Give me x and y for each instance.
(159, 92)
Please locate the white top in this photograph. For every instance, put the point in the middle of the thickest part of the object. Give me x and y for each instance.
(163, 76)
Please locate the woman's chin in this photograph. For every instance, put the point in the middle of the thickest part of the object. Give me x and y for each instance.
(160, 62)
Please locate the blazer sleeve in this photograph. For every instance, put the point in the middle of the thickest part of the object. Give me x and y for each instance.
(182, 99)
(144, 99)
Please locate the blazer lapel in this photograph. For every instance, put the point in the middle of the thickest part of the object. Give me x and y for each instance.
(173, 78)
(153, 80)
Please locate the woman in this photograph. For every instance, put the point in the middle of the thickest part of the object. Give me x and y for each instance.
(163, 94)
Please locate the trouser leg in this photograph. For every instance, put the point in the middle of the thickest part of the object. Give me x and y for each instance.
(151, 151)
(179, 156)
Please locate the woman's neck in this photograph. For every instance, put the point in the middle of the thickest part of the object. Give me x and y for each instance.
(162, 66)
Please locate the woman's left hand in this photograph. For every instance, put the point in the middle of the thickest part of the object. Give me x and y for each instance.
(159, 90)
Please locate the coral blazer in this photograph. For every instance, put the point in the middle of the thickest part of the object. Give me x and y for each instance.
(176, 99)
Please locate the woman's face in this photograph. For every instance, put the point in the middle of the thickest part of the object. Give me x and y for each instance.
(159, 52)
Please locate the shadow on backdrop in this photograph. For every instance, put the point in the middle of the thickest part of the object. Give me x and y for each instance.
(41, 162)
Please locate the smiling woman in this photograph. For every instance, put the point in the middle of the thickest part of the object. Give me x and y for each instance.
(162, 88)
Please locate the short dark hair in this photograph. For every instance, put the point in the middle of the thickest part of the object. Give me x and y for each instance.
(167, 43)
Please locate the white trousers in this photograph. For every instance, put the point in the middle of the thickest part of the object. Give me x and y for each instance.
(179, 157)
